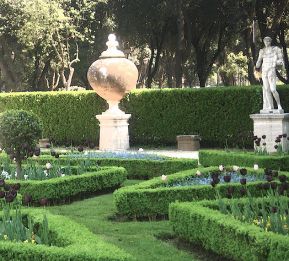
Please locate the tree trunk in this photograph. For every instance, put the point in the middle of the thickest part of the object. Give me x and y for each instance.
(18, 169)
(180, 44)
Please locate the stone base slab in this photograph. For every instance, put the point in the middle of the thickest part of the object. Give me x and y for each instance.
(272, 125)
(113, 131)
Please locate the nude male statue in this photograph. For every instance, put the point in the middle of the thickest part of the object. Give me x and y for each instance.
(269, 57)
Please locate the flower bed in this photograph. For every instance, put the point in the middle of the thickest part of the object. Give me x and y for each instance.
(152, 198)
(202, 223)
(70, 241)
(217, 157)
(65, 189)
(136, 168)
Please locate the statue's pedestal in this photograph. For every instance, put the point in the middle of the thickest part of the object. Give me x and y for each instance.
(113, 131)
(272, 125)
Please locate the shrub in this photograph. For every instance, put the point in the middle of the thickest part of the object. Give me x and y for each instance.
(219, 115)
(217, 157)
(151, 198)
(71, 241)
(202, 223)
(67, 188)
(136, 168)
(19, 134)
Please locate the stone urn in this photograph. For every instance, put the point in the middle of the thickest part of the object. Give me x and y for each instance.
(112, 76)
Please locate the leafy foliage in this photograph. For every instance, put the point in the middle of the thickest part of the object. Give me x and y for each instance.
(19, 133)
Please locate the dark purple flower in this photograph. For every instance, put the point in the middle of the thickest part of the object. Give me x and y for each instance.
(266, 186)
(273, 185)
(27, 199)
(280, 136)
(275, 173)
(227, 178)
(243, 171)
(274, 209)
(263, 137)
(37, 152)
(255, 137)
(278, 140)
(56, 155)
(276, 147)
(243, 191)
(230, 190)
(43, 201)
(216, 180)
(264, 144)
(52, 153)
(48, 146)
(269, 178)
(2, 182)
(243, 181)
(282, 178)
(9, 198)
(16, 186)
(284, 135)
(2, 194)
(80, 149)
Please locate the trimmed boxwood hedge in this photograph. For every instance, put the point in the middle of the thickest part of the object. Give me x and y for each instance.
(76, 186)
(240, 158)
(152, 199)
(76, 243)
(136, 168)
(225, 235)
(220, 115)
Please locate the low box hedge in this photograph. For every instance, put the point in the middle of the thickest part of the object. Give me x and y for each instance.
(136, 168)
(151, 198)
(241, 158)
(67, 188)
(199, 223)
(73, 241)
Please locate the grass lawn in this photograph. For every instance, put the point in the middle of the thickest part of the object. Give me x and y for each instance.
(136, 238)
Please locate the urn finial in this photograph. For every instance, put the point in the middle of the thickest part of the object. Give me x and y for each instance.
(112, 51)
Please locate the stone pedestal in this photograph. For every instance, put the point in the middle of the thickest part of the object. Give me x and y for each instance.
(113, 131)
(188, 142)
(272, 125)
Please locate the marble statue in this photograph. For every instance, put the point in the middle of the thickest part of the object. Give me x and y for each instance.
(269, 58)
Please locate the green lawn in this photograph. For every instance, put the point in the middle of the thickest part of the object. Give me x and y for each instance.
(136, 238)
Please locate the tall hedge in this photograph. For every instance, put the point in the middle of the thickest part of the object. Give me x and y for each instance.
(220, 115)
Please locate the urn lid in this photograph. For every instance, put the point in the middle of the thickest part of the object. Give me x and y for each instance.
(112, 51)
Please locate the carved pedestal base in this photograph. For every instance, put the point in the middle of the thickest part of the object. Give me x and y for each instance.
(272, 125)
(113, 131)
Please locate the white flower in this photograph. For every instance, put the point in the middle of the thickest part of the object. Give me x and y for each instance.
(8, 177)
(86, 153)
(5, 174)
(164, 178)
(256, 167)
(46, 173)
(15, 174)
(198, 173)
(221, 168)
(48, 166)
(62, 175)
(235, 168)
(26, 177)
(140, 150)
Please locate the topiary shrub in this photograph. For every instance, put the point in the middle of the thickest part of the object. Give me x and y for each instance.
(19, 133)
